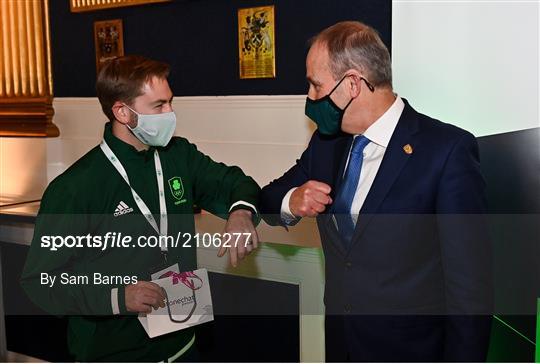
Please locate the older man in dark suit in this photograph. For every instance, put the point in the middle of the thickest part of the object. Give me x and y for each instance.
(399, 200)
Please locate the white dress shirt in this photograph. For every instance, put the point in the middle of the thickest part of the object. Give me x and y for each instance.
(379, 134)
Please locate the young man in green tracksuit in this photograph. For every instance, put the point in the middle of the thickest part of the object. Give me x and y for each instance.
(140, 182)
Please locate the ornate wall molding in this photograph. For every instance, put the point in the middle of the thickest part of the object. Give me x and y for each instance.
(26, 88)
(78, 6)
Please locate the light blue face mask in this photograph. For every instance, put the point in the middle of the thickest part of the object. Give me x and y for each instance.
(154, 129)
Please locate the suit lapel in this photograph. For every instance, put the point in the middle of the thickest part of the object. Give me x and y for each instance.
(341, 150)
(393, 162)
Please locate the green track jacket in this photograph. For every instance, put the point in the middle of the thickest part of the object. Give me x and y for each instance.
(91, 197)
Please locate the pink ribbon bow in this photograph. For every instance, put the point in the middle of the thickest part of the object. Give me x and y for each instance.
(186, 278)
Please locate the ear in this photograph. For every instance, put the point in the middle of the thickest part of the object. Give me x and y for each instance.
(354, 82)
(121, 112)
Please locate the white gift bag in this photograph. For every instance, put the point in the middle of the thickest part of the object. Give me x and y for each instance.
(188, 303)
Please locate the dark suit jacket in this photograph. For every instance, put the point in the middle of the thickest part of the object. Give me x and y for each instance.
(420, 248)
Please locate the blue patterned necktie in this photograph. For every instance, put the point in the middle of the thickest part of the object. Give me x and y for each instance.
(345, 195)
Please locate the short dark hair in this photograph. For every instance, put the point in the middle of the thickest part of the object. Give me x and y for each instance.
(355, 45)
(122, 79)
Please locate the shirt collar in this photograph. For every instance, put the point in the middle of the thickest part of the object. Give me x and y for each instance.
(382, 129)
(122, 149)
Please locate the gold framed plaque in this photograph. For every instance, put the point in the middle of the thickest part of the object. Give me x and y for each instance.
(256, 42)
(78, 6)
(109, 41)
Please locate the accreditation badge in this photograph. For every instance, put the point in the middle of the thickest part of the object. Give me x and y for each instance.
(188, 302)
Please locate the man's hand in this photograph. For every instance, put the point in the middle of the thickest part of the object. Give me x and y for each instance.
(310, 199)
(142, 296)
(239, 222)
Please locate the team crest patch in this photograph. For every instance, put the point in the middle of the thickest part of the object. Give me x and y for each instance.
(177, 190)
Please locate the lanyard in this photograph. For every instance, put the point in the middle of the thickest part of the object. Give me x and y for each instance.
(140, 203)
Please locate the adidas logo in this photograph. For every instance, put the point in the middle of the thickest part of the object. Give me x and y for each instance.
(122, 209)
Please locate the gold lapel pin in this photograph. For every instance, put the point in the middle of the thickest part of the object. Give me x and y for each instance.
(408, 149)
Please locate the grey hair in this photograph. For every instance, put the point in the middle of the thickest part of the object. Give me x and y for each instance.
(354, 45)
